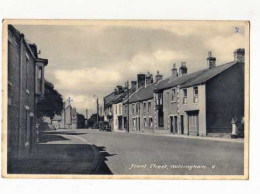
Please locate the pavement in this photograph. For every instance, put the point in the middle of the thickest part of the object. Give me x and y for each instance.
(89, 151)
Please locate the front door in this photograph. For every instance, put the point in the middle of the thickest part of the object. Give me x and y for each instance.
(193, 123)
(171, 124)
(175, 130)
(182, 125)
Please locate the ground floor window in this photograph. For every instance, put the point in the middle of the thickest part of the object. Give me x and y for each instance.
(145, 124)
(151, 122)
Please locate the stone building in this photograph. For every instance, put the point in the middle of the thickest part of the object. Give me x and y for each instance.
(69, 118)
(204, 102)
(25, 88)
(141, 105)
(120, 108)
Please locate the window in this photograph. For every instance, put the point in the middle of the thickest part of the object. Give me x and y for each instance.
(150, 122)
(119, 108)
(160, 95)
(144, 108)
(195, 94)
(184, 96)
(137, 107)
(145, 124)
(26, 71)
(174, 95)
(133, 122)
(149, 106)
(116, 109)
(126, 108)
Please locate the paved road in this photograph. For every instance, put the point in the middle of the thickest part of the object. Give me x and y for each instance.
(128, 153)
(89, 151)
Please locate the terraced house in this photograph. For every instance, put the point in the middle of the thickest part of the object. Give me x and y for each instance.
(141, 105)
(205, 102)
(25, 88)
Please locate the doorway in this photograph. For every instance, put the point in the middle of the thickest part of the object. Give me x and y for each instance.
(193, 122)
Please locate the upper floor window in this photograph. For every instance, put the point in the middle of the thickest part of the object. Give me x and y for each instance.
(144, 108)
(195, 94)
(149, 106)
(26, 71)
(133, 109)
(159, 99)
(137, 107)
(119, 108)
(184, 96)
(174, 95)
(126, 109)
(116, 109)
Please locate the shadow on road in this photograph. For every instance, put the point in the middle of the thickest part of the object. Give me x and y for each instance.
(62, 132)
(62, 159)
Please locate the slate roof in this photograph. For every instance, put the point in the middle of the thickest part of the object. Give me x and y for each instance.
(109, 98)
(208, 74)
(142, 94)
(121, 96)
(192, 79)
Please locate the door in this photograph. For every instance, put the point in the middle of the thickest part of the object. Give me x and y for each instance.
(171, 124)
(193, 123)
(182, 125)
(175, 130)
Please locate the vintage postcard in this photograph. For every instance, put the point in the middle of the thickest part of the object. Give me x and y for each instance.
(122, 99)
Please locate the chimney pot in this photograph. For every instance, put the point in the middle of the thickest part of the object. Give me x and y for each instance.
(239, 55)
(174, 71)
(211, 60)
(183, 69)
(158, 77)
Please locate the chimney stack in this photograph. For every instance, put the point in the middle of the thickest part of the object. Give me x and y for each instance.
(174, 71)
(133, 84)
(119, 89)
(239, 55)
(158, 77)
(183, 69)
(140, 80)
(148, 78)
(211, 60)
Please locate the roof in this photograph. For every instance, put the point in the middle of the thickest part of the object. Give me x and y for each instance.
(109, 98)
(192, 79)
(175, 81)
(121, 97)
(208, 74)
(142, 94)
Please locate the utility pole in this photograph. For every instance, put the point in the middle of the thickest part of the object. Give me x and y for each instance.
(127, 85)
(97, 109)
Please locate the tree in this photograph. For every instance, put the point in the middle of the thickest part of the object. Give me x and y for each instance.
(81, 121)
(51, 104)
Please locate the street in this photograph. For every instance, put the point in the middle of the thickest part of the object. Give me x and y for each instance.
(89, 151)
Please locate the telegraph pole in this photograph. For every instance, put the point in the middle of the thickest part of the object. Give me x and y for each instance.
(127, 84)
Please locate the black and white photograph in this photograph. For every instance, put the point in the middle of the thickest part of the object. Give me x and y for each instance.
(126, 99)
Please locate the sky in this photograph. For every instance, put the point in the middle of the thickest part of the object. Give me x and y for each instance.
(91, 60)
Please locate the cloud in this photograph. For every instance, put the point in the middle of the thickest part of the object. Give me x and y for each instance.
(91, 60)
